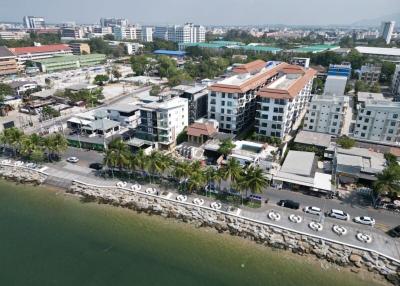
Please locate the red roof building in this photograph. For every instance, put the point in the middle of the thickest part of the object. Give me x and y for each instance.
(40, 52)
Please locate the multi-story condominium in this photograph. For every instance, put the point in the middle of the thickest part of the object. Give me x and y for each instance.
(80, 48)
(73, 33)
(197, 97)
(162, 121)
(281, 105)
(40, 52)
(343, 69)
(396, 83)
(370, 73)
(232, 101)
(8, 62)
(328, 114)
(13, 35)
(161, 32)
(303, 62)
(102, 31)
(188, 33)
(378, 120)
(32, 22)
(386, 31)
(112, 22)
(127, 33)
(335, 85)
(147, 34)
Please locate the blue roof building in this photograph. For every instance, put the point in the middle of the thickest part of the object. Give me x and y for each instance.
(175, 54)
(343, 69)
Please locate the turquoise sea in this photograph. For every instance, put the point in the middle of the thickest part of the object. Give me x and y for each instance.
(49, 238)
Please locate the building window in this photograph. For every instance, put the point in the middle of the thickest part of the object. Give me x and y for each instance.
(368, 112)
(334, 123)
(230, 95)
(366, 120)
(223, 95)
(336, 116)
(395, 116)
(228, 126)
(392, 123)
(229, 111)
(364, 128)
(228, 118)
(221, 118)
(264, 116)
(390, 131)
(333, 130)
(362, 134)
(264, 124)
(223, 103)
(222, 110)
(388, 138)
(212, 101)
(229, 103)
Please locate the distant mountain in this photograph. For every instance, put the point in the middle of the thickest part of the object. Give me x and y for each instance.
(377, 21)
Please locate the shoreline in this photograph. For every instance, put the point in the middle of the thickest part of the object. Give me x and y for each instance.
(325, 253)
(322, 265)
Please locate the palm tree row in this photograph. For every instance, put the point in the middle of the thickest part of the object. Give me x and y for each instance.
(192, 175)
(33, 147)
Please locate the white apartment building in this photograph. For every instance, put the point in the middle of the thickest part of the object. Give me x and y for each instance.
(232, 101)
(335, 85)
(162, 121)
(147, 34)
(188, 33)
(370, 73)
(32, 22)
(13, 35)
(386, 31)
(112, 22)
(396, 83)
(127, 33)
(378, 120)
(281, 105)
(161, 32)
(72, 33)
(328, 114)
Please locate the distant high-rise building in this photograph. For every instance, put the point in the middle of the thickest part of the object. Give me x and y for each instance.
(387, 31)
(396, 84)
(112, 22)
(147, 34)
(188, 33)
(32, 22)
(127, 33)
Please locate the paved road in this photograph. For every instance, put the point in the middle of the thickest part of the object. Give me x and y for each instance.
(353, 206)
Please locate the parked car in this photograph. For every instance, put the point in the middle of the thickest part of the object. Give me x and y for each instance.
(312, 210)
(96, 166)
(364, 220)
(72, 159)
(395, 232)
(339, 214)
(289, 204)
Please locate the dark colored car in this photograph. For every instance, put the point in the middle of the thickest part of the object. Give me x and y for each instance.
(289, 204)
(395, 232)
(96, 166)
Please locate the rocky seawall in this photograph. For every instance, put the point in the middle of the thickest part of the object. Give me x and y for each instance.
(22, 175)
(261, 233)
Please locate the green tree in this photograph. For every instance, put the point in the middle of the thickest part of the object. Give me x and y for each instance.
(116, 73)
(346, 142)
(6, 89)
(196, 181)
(375, 88)
(98, 45)
(122, 153)
(360, 86)
(100, 79)
(390, 159)
(140, 65)
(256, 180)
(387, 72)
(232, 171)
(226, 147)
(388, 181)
(155, 90)
(110, 160)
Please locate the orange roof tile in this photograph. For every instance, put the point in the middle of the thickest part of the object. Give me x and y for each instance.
(252, 83)
(197, 129)
(293, 90)
(40, 49)
(250, 67)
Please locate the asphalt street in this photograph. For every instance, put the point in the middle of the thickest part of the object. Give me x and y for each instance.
(354, 206)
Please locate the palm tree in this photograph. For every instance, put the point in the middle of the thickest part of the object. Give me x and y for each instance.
(241, 186)
(226, 147)
(182, 170)
(196, 180)
(13, 138)
(210, 174)
(388, 180)
(60, 143)
(122, 153)
(140, 160)
(110, 160)
(232, 171)
(256, 180)
(157, 163)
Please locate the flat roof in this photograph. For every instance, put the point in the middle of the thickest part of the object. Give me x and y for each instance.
(70, 58)
(299, 163)
(364, 96)
(123, 107)
(315, 48)
(313, 138)
(169, 52)
(19, 83)
(379, 51)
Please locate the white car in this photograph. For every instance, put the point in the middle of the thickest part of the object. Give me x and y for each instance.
(339, 214)
(313, 210)
(364, 220)
(72, 159)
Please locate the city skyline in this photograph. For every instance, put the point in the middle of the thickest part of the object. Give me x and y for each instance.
(177, 11)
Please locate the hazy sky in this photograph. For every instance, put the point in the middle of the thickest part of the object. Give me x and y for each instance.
(224, 12)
